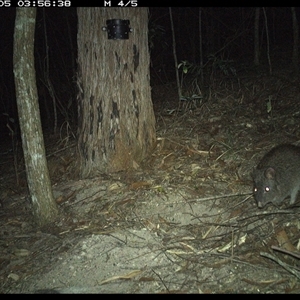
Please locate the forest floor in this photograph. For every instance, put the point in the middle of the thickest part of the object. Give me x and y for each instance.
(184, 221)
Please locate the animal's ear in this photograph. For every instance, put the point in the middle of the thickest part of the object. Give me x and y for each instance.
(252, 174)
(270, 173)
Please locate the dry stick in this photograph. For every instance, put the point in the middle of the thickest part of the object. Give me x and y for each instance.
(161, 280)
(294, 254)
(281, 263)
(218, 197)
(15, 150)
(62, 149)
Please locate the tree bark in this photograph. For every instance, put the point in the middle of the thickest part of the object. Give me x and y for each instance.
(116, 118)
(44, 207)
(256, 36)
(296, 40)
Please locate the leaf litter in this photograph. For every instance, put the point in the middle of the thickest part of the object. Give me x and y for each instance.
(184, 221)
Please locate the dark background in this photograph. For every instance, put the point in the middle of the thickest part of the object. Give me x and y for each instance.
(227, 43)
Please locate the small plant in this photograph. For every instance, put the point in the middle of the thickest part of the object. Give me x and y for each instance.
(224, 65)
(189, 83)
(13, 130)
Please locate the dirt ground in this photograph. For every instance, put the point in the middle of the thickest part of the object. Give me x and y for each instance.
(184, 221)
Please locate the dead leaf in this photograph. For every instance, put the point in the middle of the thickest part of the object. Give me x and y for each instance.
(284, 241)
(126, 276)
(139, 185)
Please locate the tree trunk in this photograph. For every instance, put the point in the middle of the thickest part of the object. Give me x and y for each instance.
(43, 205)
(116, 118)
(256, 36)
(296, 40)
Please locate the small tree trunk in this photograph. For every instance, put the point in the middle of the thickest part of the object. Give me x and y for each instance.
(256, 37)
(296, 40)
(44, 207)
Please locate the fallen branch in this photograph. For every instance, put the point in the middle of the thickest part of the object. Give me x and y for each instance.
(281, 263)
